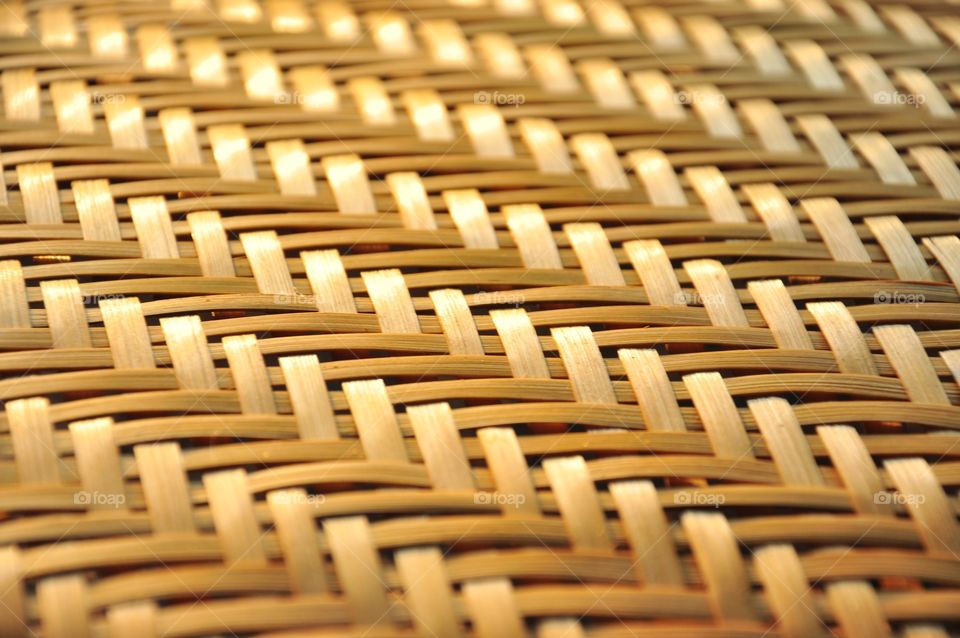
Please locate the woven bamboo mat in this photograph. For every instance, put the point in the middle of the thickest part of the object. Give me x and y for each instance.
(494, 318)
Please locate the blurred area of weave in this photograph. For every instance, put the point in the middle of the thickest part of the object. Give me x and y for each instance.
(492, 318)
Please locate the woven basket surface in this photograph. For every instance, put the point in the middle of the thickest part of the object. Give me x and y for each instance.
(493, 318)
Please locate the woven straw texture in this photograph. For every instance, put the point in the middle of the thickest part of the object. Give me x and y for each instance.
(493, 318)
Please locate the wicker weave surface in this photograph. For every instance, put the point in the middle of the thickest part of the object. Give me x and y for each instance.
(565, 318)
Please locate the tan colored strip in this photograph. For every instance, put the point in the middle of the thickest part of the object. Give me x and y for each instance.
(127, 333)
(646, 528)
(191, 358)
(125, 122)
(856, 468)
(858, 610)
(532, 235)
(372, 100)
(595, 254)
(12, 594)
(940, 169)
(545, 142)
(927, 503)
(250, 374)
(98, 462)
(96, 210)
(456, 321)
(328, 280)
(268, 263)
(440, 445)
(21, 94)
(470, 215)
(262, 78)
(210, 240)
(780, 314)
(293, 518)
(787, 589)
(14, 309)
(551, 68)
(165, 488)
(429, 114)
(924, 92)
(309, 398)
(348, 180)
(31, 432)
(500, 55)
(714, 111)
(208, 64)
(659, 28)
(769, 124)
(658, 177)
(578, 502)
(391, 33)
(843, 336)
(157, 51)
(376, 421)
(946, 250)
(835, 229)
(584, 364)
(816, 66)
(520, 343)
(338, 20)
(66, 315)
(714, 191)
(786, 442)
(427, 591)
(236, 525)
(654, 392)
(133, 619)
(314, 90)
(71, 105)
(492, 608)
(600, 160)
(412, 201)
(719, 414)
(291, 167)
(180, 136)
(606, 83)
(63, 605)
(711, 38)
(827, 140)
(486, 129)
(511, 476)
(391, 301)
(653, 266)
(716, 292)
(763, 50)
(107, 36)
(884, 158)
(231, 151)
(358, 569)
(909, 358)
(154, 228)
(717, 554)
(41, 199)
(658, 95)
(901, 249)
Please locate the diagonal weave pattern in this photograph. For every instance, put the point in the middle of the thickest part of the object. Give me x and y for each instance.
(494, 318)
